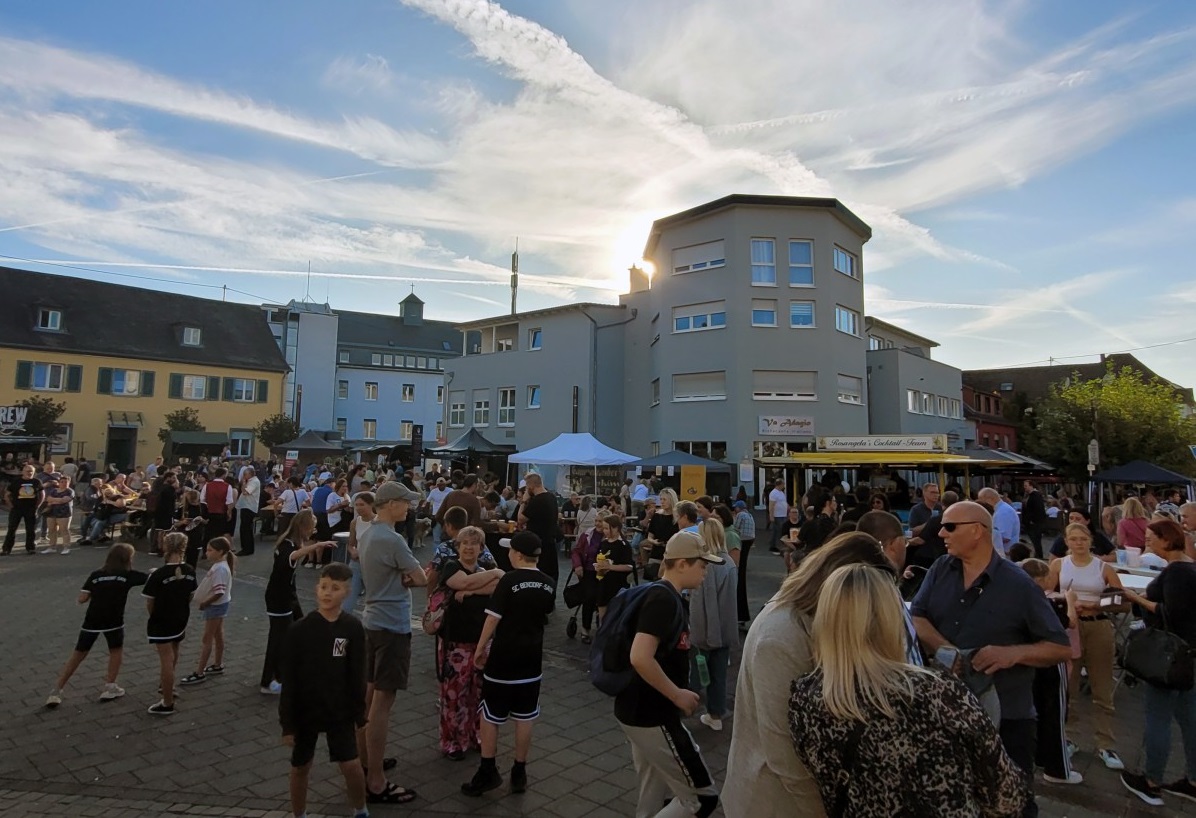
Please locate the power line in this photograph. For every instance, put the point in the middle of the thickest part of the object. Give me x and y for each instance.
(1052, 360)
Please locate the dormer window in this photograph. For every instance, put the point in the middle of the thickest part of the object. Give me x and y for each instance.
(192, 336)
(49, 319)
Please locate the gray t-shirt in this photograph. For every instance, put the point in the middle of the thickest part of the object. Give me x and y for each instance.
(385, 557)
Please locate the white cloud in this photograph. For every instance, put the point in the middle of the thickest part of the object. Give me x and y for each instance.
(359, 75)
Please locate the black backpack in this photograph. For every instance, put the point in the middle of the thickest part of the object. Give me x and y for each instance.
(610, 654)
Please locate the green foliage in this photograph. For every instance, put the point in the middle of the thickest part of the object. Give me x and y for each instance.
(42, 420)
(276, 429)
(182, 420)
(1132, 419)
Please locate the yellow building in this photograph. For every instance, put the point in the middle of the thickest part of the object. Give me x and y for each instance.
(122, 358)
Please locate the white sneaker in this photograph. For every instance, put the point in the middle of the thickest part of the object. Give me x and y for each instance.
(1111, 759)
(710, 721)
(46, 551)
(54, 699)
(111, 691)
(65, 551)
(273, 689)
(1072, 778)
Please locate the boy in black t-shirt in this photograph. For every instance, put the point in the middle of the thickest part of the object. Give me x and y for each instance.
(323, 689)
(105, 593)
(649, 710)
(511, 674)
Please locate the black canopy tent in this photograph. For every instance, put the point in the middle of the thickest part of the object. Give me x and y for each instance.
(472, 446)
(188, 446)
(1139, 473)
(311, 446)
(718, 474)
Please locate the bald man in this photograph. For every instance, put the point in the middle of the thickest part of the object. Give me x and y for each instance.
(539, 516)
(1006, 527)
(974, 599)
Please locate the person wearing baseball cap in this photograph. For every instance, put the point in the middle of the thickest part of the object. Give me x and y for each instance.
(668, 761)
(388, 569)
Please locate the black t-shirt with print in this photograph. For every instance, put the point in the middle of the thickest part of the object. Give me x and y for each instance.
(24, 493)
(463, 620)
(640, 704)
(281, 596)
(109, 590)
(618, 552)
(171, 587)
(522, 601)
(661, 527)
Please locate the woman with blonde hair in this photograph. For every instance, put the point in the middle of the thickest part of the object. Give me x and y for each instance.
(1131, 531)
(881, 736)
(765, 778)
(713, 624)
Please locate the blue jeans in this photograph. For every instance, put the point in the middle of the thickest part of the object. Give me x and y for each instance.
(1161, 707)
(717, 662)
(97, 528)
(355, 587)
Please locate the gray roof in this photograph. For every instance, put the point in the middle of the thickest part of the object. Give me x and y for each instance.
(102, 318)
(520, 316)
(376, 331)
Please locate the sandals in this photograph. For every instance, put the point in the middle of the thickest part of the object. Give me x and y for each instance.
(393, 794)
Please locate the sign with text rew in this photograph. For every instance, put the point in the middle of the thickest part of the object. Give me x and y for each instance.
(883, 443)
(12, 419)
(786, 426)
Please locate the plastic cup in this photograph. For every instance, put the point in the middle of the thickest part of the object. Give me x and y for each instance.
(1133, 556)
(1121, 557)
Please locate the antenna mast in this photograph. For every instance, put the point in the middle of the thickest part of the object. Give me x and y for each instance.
(514, 275)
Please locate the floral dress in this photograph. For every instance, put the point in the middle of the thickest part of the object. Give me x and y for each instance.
(460, 681)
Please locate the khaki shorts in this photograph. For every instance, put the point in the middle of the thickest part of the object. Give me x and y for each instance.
(389, 661)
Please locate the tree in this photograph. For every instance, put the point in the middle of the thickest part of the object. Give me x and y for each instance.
(1131, 418)
(183, 420)
(276, 429)
(43, 415)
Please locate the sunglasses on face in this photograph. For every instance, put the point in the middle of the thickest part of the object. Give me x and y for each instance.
(950, 527)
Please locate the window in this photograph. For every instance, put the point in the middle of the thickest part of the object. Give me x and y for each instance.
(700, 386)
(801, 264)
(47, 377)
(371, 390)
(240, 443)
(369, 429)
(421, 362)
(655, 448)
(344, 356)
(764, 313)
(409, 361)
(440, 395)
(481, 411)
(944, 407)
(49, 319)
(771, 384)
(342, 426)
(342, 390)
(710, 449)
(456, 415)
(845, 262)
(927, 403)
(408, 393)
(505, 344)
(244, 390)
(60, 441)
(764, 263)
(695, 317)
(875, 343)
(376, 359)
(195, 387)
(192, 336)
(406, 429)
(913, 400)
(506, 406)
(533, 397)
(699, 257)
(851, 389)
(801, 314)
(433, 363)
(126, 381)
(388, 360)
(847, 320)
(956, 408)
(656, 391)
(439, 429)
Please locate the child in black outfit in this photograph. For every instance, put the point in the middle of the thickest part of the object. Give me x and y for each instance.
(323, 689)
(511, 673)
(168, 593)
(614, 563)
(105, 593)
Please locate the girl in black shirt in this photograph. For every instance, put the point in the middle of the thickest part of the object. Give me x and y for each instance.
(168, 593)
(614, 562)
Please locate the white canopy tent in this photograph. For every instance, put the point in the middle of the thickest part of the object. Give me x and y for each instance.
(574, 449)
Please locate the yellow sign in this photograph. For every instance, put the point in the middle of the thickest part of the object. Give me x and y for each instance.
(693, 482)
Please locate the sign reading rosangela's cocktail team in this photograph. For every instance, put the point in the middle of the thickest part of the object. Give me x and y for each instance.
(12, 419)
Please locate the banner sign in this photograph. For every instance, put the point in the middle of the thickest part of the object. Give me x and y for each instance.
(12, 419)
(883, 443)
(786, 426)
(693, 482)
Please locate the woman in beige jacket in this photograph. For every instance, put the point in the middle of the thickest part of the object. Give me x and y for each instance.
(764, 777)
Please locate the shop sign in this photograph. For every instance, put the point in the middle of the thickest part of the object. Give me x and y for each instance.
(12, 419)
(786, 426)
(883, 443)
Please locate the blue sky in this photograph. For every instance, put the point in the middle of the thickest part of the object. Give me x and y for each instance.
(1027, 168)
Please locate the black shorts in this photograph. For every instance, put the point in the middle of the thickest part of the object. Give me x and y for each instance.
(500, 701)
(115, 639)
(341, 740)
(388, 664)
(167, 640)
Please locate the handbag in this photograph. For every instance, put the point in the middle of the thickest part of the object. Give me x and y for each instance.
(1160, 658)
(574, 593)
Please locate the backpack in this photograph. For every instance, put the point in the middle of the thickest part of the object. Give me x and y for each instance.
(217, 497)
(610, 654)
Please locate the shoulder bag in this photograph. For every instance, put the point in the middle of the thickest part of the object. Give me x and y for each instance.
(1159, 657)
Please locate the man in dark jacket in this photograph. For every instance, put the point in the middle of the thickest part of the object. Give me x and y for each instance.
(1034, 516)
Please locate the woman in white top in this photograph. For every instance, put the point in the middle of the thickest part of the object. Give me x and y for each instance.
(290, 502)
(363, 518)
(587, 517)
(1082, 574)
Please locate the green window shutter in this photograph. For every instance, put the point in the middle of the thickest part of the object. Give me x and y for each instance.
(263, 389)
(24, 374)
(213, 391)
(227, 391)
(175, 388)
(74, 378)
(147, 383)
(104, 381)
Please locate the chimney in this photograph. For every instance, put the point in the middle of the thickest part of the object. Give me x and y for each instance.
(640, 280)
(411, 311)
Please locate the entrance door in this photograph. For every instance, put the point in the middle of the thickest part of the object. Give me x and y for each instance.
(122, 448)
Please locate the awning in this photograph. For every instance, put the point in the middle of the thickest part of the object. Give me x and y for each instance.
(22, 440)
(852, 459)
(125, 420)
(198, 438)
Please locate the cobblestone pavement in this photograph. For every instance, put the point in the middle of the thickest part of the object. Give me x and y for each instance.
(220, 755)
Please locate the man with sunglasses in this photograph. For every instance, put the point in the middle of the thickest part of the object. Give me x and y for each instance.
(974, 599)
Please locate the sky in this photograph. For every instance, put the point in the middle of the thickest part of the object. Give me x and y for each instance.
(1027, 168)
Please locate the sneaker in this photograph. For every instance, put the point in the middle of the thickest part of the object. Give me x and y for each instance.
(65, 550)
(272, 689)
(111, 691)
(483, 781)
(1139, 786)
(1183, 788)
(773, 550)
(54, 699)
(1072, 778)
(83, 541)
(1112, 761)
(1072, 748)
(46, 551)
(455, 755)
(213, 670)
(161, 709)
(193, 679)
(710, 721)
(518, 779)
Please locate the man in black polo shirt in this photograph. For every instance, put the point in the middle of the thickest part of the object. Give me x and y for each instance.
(973, 598)
(539, 516)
